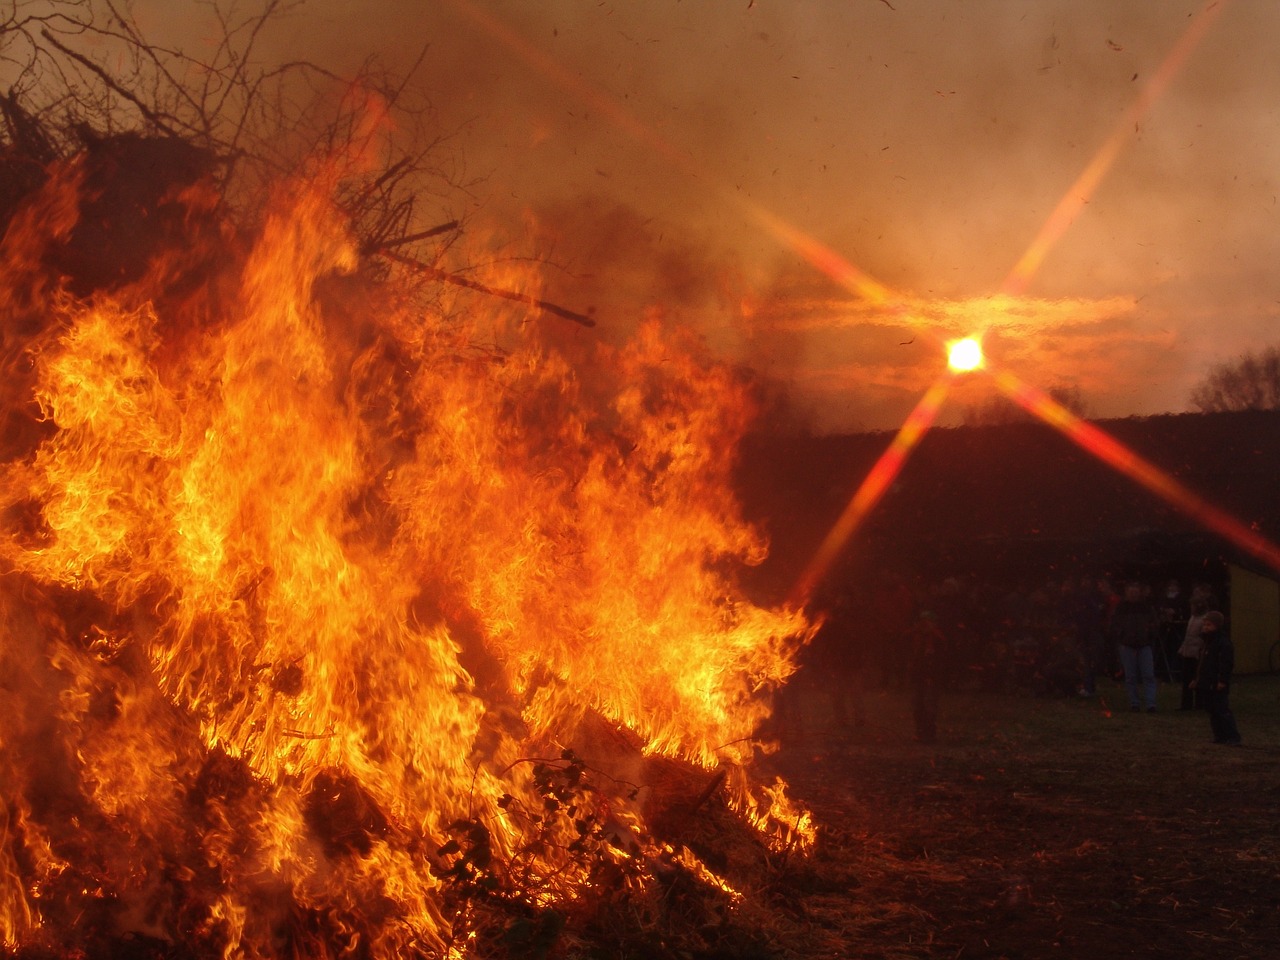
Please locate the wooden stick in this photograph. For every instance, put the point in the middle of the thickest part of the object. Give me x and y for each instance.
(460, 281)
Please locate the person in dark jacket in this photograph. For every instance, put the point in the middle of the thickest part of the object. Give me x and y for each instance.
(1214, 679)
(1089, 618)
(1134, 629)
(924, 667)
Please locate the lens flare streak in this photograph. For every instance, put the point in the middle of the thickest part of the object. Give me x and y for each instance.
(1079, 193)
(822, 257)
(817, 254)
(872, 488)
(1116, 455)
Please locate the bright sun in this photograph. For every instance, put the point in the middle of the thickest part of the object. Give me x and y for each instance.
(963, 355)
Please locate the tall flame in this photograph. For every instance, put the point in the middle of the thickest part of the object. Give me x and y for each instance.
(302, 583)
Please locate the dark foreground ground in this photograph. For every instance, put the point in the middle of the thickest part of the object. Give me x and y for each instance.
(1035, 828)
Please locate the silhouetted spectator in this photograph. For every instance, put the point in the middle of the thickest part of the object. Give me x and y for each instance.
(924, 671)
(1214, 678)
(1110, 600)
(1174, 608)
(1090, 609)
(1134, 628)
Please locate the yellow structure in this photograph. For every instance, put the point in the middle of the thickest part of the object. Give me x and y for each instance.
(1255, 618)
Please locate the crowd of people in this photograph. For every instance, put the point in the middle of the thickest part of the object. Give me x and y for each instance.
(1052, 638)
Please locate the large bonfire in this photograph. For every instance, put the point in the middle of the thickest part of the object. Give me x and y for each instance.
(338, 619)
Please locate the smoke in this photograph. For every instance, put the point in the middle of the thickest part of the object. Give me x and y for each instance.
(612, 262)
(927, 145)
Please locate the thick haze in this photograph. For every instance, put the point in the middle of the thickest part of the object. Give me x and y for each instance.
(924, 142)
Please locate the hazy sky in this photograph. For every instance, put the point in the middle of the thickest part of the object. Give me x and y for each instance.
(645, 142)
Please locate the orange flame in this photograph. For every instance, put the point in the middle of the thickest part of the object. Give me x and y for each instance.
(336, 576)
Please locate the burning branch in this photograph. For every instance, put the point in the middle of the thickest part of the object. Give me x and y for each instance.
(287, 597)
(460, 281)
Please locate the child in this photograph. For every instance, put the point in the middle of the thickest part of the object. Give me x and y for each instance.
(1214, 679)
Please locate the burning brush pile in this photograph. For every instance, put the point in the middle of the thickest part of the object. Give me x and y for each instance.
(340, 620)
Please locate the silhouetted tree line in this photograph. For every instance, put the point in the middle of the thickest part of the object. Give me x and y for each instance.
(1250, 382)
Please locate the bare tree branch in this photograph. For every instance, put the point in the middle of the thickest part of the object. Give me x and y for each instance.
(1250, 382)
(153, 118)
(412, 238)
(86, 70)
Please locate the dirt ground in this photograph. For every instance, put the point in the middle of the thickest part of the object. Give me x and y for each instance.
(1035, 828)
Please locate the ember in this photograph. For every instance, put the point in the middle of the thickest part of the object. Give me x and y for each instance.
(328, 628)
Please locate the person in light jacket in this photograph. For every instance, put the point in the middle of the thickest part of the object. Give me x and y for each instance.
(1189, 654)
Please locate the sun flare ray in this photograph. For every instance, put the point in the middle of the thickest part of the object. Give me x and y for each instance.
(878, 479)
(818, 255)
(1086, 184)
(1119, 457)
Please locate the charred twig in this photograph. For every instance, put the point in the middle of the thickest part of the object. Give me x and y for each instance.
(445, 277)
(566, 760)
(395, 170)
(307, 735)
(711, 788)
(26, 132)
(385, 245)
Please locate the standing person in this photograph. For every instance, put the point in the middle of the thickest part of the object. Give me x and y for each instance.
(1090, 617)
(1134, 627)
(1174, 612)
(925, 672)
(1214, 679)
(840, 658)
(1189, 655)
(1109, 603)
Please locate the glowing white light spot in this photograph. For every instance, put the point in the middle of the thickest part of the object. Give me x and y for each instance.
(964, 355)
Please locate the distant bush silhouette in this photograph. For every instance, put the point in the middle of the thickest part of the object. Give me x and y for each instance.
(1001, 410)
(1250, 382)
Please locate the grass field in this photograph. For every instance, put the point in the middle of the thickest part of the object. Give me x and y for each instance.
(1036, 828)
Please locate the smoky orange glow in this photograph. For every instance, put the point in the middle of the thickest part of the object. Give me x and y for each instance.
(1079, 193)
(813, 251)
(553, 70)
